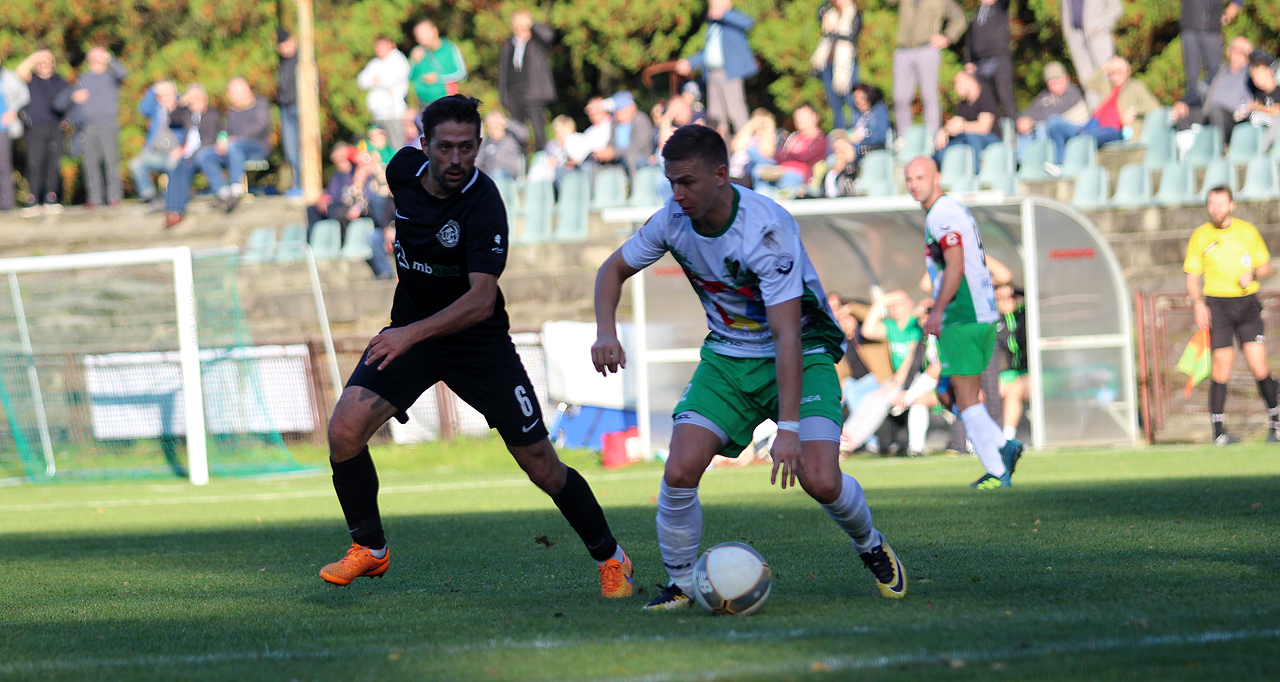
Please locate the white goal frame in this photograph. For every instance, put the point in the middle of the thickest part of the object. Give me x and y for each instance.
(188, 344)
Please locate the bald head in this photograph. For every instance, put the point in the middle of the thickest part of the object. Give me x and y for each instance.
(922, 181)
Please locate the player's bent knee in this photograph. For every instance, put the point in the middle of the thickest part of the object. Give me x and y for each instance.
(541, 463)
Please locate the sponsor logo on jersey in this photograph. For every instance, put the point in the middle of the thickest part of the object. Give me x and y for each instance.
(449, 234)
(1213, 246)
(497, 239)
(783, 263)
(401, 259)
(811, 399)
(438, 270)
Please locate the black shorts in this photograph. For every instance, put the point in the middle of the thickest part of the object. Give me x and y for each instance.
(489, 378)
(1238, 318)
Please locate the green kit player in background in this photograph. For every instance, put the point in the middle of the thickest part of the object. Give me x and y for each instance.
(770, 354)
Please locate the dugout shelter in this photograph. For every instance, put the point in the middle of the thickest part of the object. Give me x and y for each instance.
(1079, 324)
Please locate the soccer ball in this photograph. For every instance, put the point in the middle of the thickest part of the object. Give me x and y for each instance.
(732, 579)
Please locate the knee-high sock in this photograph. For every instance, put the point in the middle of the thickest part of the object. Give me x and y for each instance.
(985, 436)
(1217, 405)
(580, 509)
(917, 427)
(1267, 389)
(679, 532)
(851, 513)
(356, 482)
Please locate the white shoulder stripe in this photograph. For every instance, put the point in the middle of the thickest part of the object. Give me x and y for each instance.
(421, 168)
(474, 176)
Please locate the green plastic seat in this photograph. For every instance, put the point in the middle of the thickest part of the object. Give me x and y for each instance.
(1177, 185)
(610, 188)
(1081, 153)
(1133, 187)
(1091, 189)
(539, 207)
(326, 239)
(1261, 181)
(261, 246)
(356, 244)
(573, 208)
(293, 238)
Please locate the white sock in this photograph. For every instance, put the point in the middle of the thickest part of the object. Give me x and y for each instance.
(1010, 432)
(851, 513)
(618, 556)
(985, 436)
(917, 427)
(679, 532)
(379, 553)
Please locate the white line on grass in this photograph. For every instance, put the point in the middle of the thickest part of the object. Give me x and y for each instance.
(302, 494)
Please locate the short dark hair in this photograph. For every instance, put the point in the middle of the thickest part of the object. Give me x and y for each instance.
(874, 95)
(694, 141)
(456, 108)
(1223, 189)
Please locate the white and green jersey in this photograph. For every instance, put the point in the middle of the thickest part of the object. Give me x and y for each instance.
(756, 260)
(949, 225)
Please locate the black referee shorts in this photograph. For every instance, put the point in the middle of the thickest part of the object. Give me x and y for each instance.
(488, 377)
(1238, 318)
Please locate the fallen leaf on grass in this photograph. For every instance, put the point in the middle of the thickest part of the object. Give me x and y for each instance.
(543, 540)
(819, 667)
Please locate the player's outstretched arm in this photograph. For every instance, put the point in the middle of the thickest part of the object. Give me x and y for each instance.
(470, 309)
(784, 325)
(606, 353)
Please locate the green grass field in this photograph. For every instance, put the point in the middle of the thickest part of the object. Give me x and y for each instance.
(1098, 565)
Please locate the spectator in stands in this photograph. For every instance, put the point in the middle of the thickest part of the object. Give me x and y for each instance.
(870, 129)
(1128, 101)
(598, 134)
(501, 152)
(45, 136)
(726, 61)
(1088, 25)
(386, 78)
(1264, 108)
(411, 126)
(330, 205)
(676, 113)
(793, 164)
(200, 128)
(13, 97)
(893, 318)
(376, 141)
(368, 195)
(246, 135)
(97, 95)
(559, 158)
(163, 146)
(631, 140)
(436, 64)
(754, 145)
(988, 52)
(1200, 29)
(691, 93)
(1059, 99)
(287, 101)
(921, 40)
(1228, 92)
(525, 83)
(836, 57)
(839, 181)
(974, 123)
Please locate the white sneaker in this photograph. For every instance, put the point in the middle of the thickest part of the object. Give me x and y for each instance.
(1052, 169)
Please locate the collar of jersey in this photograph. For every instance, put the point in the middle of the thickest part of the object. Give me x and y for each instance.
(475, 175)
(733, 215)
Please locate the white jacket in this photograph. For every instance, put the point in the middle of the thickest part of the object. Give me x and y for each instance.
(16, 96)
(386, 99)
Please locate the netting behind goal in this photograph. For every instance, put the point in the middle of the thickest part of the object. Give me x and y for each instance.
(92, 381)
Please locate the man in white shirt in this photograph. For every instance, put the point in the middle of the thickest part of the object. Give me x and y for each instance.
(386, 77)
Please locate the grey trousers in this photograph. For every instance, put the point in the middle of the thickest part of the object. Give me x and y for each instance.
(1201, 49)
(1089, 51)
(6, 171)
(725, 99)
(102, 148)
(916, 67)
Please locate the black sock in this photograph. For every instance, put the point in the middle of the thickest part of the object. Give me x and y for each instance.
(1267, 389)
(356, 482)
(580, 509)
(1217, 405)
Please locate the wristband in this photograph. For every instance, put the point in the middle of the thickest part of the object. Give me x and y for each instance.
(793, 427)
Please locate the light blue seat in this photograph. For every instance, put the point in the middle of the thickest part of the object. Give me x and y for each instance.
(1091, 189)
(1260, 180)
(539, 205)
(573, 208)
(996, 170)
(1034, 156)
(1245, 140)
(1133, 186)
(915, 143)
(1160, 151)
(510, 193)
(1219, 173)
(326, 239)
(1156, 126)
(292, 240)
(261, 246)
(1008, 133)
(1177, 185)
(356, 244)
(875, 174)
(1081, 153)
(644, 188)
(610, 188)
(958, 168)
(1206, 147)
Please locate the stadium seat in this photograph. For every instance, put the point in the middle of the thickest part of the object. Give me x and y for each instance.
(538, 160)
(260, 247)
(610, 188)
(958, 168)
(573, 207)
(1219, 173)
(1177, 185)
(355, 246)
(644, 189)
(875, 174)
(1133, 186)
(996, 170)
(539, 204)
(292, 239)
(1008, 133)
(1207, 147)
(1091, 188)
(510, 193)
(1034, 156)
(326, 239)
(1160, 151)
(1260, 180)
(1081, 153)
(915, 143)
(1245, 140)
(1156, 125)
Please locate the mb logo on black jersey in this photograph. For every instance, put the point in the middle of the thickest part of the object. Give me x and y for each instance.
(449, 234)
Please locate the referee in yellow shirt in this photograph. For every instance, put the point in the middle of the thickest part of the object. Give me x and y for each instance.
(1231, 256)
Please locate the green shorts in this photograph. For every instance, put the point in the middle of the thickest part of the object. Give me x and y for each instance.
(966, 349)
(1009, 376)
(737, 394)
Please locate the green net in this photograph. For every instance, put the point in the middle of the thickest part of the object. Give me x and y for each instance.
(90, 379)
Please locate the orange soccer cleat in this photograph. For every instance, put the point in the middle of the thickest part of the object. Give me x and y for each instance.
(357, 562)
(615, 578)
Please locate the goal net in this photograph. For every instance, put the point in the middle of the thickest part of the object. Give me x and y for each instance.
(139, 363)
